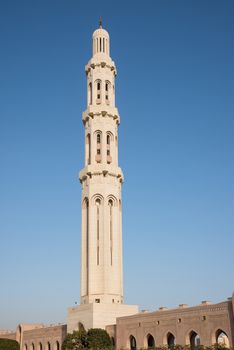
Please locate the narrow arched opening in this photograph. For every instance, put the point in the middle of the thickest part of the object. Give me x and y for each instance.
(150, 341)
(109, 147)
(133, 343)
(90, 94)
(194, 339)
(98, 92)
(98, 203)
(110, 203)
(171, 342)
(98, 155)
(56, 345)
(107, 92)
(222, 338)
(39, 346)
(88, 149)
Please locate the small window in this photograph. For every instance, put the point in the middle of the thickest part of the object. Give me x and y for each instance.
(113, 300)
(203, 318)
(106, 87)
(158, 322)
(108, 139)
(106, 97)
(98, 138)
(179, 320)
(98, 96)
(108, 152)
(98, 86)
(98, 151)
(97, 301)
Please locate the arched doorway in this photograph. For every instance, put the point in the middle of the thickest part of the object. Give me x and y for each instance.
(171, 340)
(194, 340)
(150, 341)
(133, 344)
(221, 338)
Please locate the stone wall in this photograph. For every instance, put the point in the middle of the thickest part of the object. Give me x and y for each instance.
(38, 336)
(184, 325)
(44, 338)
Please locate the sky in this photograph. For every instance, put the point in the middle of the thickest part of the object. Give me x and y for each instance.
(175, 94)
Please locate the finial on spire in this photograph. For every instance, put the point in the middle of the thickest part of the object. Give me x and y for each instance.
(100, 23)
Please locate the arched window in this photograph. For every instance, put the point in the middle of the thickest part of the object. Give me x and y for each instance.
(25, 347)
(90, 94)
(109, 145)
(171, 340)
(98, 156)
(32, 347)
(98, 91)
(103, 45)
(222, 338)
(98, 202)
(100, 45)
(110, 203)
(194, 340)
(107, 91)
(150, 341)
(39, 347)
(86, 218)
(133, 344)
(48, 347)
(88, 149)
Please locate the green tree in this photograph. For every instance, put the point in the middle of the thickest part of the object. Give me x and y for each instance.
(98, 339)
(9, 344)
(75, 341)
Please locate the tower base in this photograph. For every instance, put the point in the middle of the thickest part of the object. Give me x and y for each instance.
(97, 315)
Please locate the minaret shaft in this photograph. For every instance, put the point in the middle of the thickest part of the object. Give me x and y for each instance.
(101, 179)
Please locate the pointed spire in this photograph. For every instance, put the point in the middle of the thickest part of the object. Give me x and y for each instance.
(100, 22)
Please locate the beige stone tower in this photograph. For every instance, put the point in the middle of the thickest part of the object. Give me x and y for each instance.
(101, 180)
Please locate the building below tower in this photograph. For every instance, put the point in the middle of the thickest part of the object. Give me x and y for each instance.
(205, 324)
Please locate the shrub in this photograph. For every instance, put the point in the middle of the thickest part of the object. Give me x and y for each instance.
(9, 344)
(75, 341)
(98, 339)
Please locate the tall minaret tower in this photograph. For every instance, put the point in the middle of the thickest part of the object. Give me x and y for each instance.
(101, 180)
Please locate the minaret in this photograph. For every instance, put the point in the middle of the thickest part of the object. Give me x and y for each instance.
(101, 180)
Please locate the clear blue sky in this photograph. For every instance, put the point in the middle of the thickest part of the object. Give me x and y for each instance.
(175, 95)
